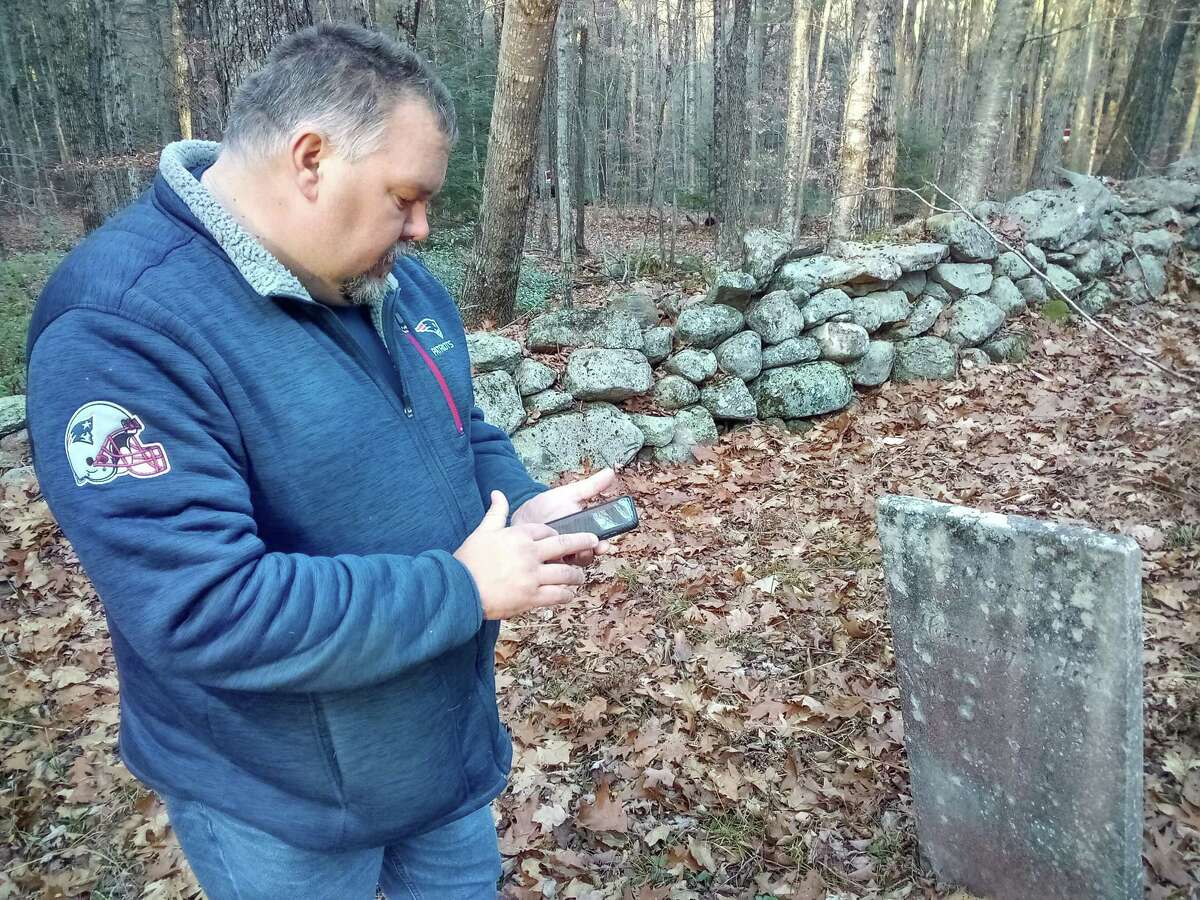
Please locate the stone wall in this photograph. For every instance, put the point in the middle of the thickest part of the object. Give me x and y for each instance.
(790, 337)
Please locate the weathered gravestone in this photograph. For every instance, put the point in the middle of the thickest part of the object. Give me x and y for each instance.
(1019, 652)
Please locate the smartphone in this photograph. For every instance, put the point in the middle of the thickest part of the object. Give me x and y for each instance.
(605, 521)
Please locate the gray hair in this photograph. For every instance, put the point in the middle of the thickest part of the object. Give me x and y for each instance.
(344, 80)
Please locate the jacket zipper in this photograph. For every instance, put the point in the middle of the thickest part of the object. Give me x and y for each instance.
(391, 317)
(350, 345)
(347, 342)
(437, 374)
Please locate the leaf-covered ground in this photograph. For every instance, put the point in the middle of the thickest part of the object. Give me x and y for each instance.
(718, 716)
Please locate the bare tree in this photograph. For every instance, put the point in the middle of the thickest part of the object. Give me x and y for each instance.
(581, 142)
(564, 119)
(1173, 138)
(867, 158)
(179, 71)
(1087, 108)
(718, 171)
(490, 285)
(733, 206)
(1189, 137)
(797, 114)
(1144, 100)
(809, 124)
(240, 34)
(360, 12)
(1005, 37)
(408, 18)
(1066, 81)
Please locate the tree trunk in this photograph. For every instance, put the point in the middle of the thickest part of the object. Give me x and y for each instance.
(241, 33)
(691, 92)
(581, 138)
(490, 285)
(408, 19)
(732, 221)
(179, 69)
(498, 17)
(549, 134)
(1065, 83)
(604, 116)
(360, 12)
(987, 121)
(31, 104)
(797, 114)
(1106, 112)
(15, 134)
(718, 174)
(1084, 121)
(564, 121)
(810, 121)
(46, 67)
(755, 64)
(632, 172)
(1150, 78)
(1188, 140)
(1173, 138)
(868, 153)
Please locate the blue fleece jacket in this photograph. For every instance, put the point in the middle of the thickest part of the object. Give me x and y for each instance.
(270, 526)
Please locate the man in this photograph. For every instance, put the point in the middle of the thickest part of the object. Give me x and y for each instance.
(252, 415)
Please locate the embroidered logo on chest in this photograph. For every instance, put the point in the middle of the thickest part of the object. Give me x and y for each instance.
(426, 326)
(430, 326)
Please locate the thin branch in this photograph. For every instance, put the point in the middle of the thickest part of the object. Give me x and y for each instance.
(1049, 34)
(1087, 317)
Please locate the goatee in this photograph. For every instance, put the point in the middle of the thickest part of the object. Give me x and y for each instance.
(367, 289)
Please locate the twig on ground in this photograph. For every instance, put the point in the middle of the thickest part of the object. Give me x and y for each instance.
(1086, 316)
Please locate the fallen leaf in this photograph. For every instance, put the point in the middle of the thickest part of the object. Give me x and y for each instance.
(550, 816)
(605, 813)
(554, 753)
(65, 676)
(702, 854)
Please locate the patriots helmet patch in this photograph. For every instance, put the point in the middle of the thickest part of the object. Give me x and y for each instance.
(103, 442)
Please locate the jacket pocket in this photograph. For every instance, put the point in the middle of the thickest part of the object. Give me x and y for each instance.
(399, 750)
(322, 729)
(279, 738)
(478, 719)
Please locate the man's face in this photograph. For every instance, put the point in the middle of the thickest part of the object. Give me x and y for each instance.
(374, 208)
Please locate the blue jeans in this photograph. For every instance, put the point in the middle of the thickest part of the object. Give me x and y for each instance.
(235, 861)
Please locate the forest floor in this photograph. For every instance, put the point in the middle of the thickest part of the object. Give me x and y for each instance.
(718, 716)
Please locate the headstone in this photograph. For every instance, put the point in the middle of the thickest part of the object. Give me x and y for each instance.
(1019, 654)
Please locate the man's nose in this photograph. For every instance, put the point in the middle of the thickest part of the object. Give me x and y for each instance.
(417, 226)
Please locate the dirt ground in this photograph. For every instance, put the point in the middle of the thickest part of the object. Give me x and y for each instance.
(718, 716)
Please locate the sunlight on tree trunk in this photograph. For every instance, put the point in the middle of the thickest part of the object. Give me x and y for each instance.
(868, 152)
(490, 286)
(987, 121)
(797, 113)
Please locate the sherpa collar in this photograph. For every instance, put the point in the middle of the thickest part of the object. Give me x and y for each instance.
(266, 274)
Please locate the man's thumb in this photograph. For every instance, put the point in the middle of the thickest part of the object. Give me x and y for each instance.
(497, 514)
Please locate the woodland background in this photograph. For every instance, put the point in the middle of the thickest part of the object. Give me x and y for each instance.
(659, 113)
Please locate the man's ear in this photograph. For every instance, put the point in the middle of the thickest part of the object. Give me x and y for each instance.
(308, 150)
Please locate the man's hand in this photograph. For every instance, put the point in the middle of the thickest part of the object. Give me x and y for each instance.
(564, 500)
(514, 567)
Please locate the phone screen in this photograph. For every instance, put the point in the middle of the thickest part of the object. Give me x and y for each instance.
(606, 520)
